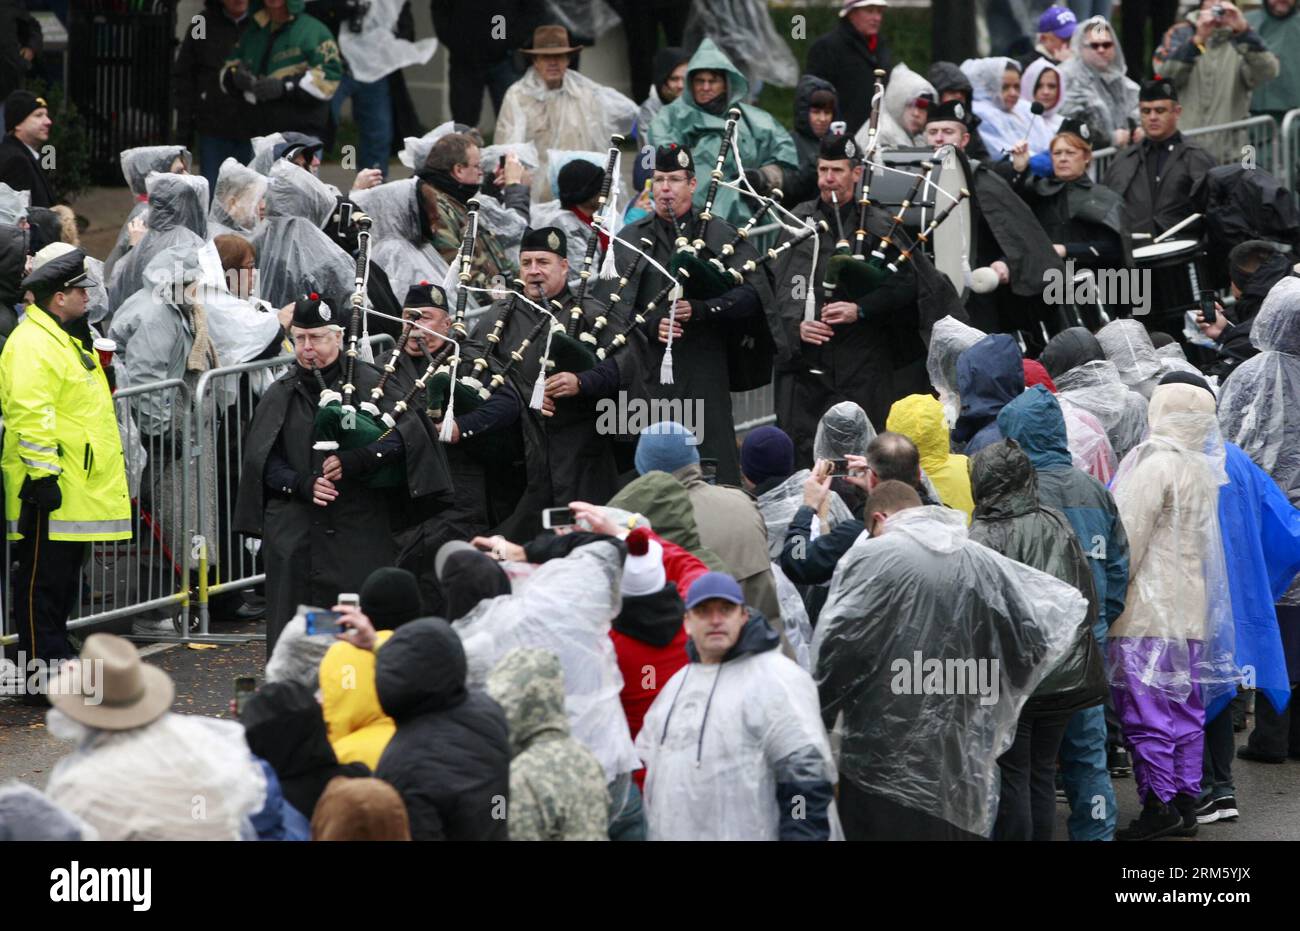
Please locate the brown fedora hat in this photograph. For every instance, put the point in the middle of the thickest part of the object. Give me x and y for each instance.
(110, 688)
(551, 40)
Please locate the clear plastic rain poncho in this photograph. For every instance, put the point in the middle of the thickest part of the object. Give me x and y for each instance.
(178, 216)
(744, 31)
(566, 606)
(948, 340)
(1101, 95)
(295, 258)
(777, 505)
(580, 114)
(375, 52)
(844, 430)
(13, 204)
(1096, 387)
(929, 705)
(794, 619)
(149, 783)
(1177, 629)
(416, 149)
(720, 737)
(526, 152)
(235, 199)
(137, 164)
(296, 192)
(97, 305)
(264, 152)
(1090, 448)
(1258, 406)
(26, 814)
(577, 233)
(1000, 128)
(396, 220)
(297, 657)
(505, 224)
(1127, 344)
(1173, 359)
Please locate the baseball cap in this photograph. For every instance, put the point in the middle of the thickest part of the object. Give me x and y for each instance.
(1060, 21)
(714, 585)
(854, 4)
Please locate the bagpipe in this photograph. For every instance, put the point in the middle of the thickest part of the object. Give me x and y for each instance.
(340, 424)
(851, 273)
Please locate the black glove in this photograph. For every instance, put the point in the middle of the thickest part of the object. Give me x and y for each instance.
(42, 493)
(758, 180)
(268, 89)
(239, 80)
(357, 462)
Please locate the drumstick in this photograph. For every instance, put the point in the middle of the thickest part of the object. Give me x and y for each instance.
(1176, 227)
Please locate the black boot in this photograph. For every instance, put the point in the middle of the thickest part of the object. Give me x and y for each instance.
(1157, 820)
(1185, 805)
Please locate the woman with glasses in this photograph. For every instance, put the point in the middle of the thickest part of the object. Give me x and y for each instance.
(1097, 91)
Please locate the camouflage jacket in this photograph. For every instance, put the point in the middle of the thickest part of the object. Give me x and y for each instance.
(446, 219)
(557, 786)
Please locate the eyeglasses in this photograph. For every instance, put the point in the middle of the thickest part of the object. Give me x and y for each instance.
(1100, 46)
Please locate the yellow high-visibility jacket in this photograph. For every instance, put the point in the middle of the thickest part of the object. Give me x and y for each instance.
(59, 420)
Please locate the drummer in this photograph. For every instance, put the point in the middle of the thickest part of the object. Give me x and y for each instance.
(1155, 180)
(1084, 220)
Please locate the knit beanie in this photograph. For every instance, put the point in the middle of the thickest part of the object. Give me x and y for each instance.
(643, 568)
(767, 453)
(665, 447)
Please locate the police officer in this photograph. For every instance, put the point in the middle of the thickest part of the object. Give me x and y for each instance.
(64, 473)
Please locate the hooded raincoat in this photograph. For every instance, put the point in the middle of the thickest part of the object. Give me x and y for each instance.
(920, 419)
(1035, 421)
(397, 240)
(762, 140)
(904, 86)
(1086, 379)
(1127, 343)
(557, 787)
(948, 340)
(930, 705)
(1103, 97)
(137, 165)
(999, 127)
(1048, 123)
(236, 199)
(989, 374)
(803, 186)
(566, 607)
(1257, 409)
(728, 746)
(357, 726)
(178, 216)
(450, 756)
(1011, 519)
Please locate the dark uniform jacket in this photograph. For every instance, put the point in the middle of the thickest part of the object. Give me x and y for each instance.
(1149, 212)
(21, 171)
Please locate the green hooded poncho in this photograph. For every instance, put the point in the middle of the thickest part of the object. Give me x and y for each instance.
(763, 141)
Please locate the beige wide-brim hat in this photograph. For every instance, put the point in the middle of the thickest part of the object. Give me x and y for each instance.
(118, 691)
(551, 40)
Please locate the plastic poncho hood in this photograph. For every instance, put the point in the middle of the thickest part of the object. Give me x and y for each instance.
(1127, 344)
(998, 624)
(396, 235)
(178, 208)
(139, 163)
(948, 340)
(566, 606)
(904, 86)
(296, 192)
(1096, 388)
(295, 257)
(235, 198)
(1000, 128)
(13, 204)
(844, 430)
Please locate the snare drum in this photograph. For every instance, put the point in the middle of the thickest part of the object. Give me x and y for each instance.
(1177, 271)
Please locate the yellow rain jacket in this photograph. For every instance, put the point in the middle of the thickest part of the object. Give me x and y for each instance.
(919, 417)
(357, 726)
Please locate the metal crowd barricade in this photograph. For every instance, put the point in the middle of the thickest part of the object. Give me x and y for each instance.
(753, 409)
(226, 562)
(1289, 144)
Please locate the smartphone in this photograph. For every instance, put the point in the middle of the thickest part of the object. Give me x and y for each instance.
(323, 622)
(345, 217)
(1208, 299)
(709, 470)
(554, 518)
(244, 687)
(351, 599)
(839, 468)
